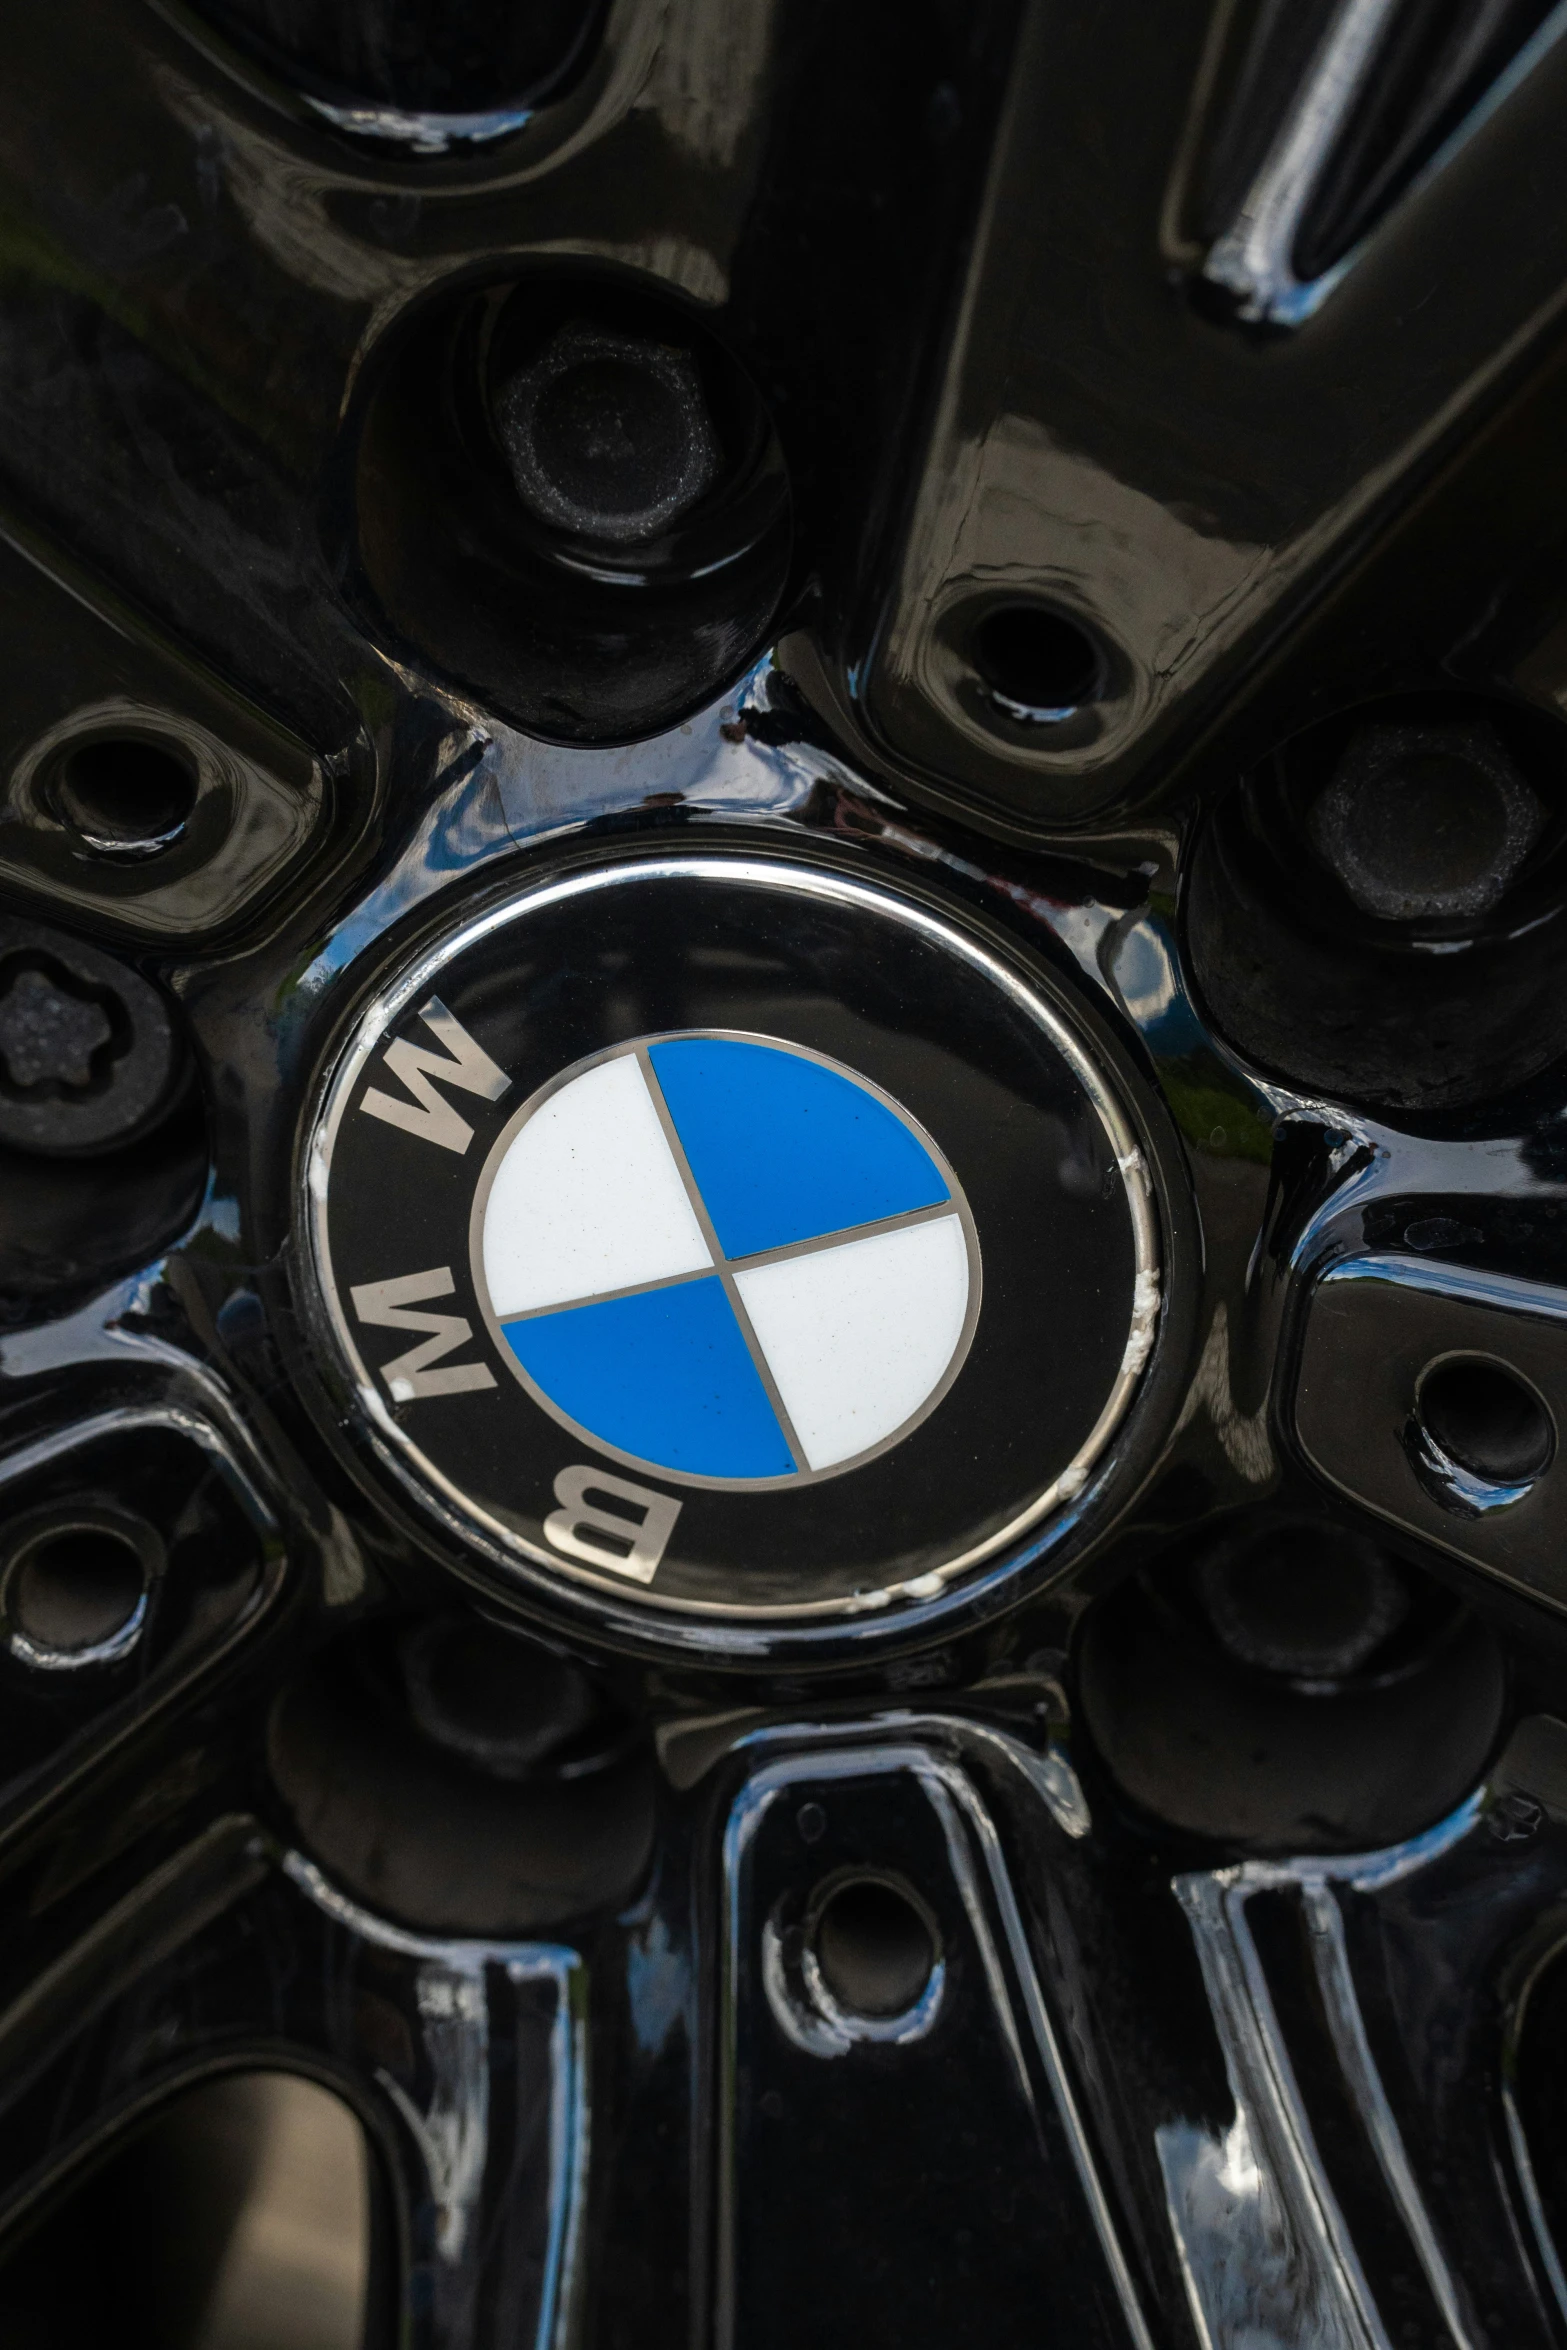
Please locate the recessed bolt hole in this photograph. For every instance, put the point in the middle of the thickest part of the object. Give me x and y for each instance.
(1039, 666)
(76, 1588)
(1486, 1421)
(874, 1949)
(123, 796)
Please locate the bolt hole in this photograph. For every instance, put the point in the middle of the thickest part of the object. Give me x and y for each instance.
(1487, 1421)
(874, 1948)
(1040, 666)
(76, 1590)
(125, 797)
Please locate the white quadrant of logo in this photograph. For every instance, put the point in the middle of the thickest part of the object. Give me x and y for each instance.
(726, 1259)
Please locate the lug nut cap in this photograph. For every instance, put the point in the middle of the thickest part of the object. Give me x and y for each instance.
(1426, 823)
(607, 435)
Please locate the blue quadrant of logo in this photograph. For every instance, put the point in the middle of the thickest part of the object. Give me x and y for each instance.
(664, 1375)
(783, 1149)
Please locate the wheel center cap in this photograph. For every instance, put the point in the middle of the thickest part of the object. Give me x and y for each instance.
(731, 1235)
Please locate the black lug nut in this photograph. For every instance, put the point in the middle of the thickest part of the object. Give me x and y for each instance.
(505, 1704)
(1288, 1600)
(50, 1034)
(1514, 1817)
(1292, 1688)
(608, 435)
(1426, 822)
(571, 498)
(89, 1059)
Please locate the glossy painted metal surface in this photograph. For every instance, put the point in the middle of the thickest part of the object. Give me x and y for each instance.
(1276, 261)
(465, 2060)
(1184, 491)
(1019, 2185)
(1299, 2255)
(1430, 1314)
(1212, 2080)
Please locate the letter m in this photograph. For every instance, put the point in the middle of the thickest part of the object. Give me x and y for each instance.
(393, 1305)
(463, 1063)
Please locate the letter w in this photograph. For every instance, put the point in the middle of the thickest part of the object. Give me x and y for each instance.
(464, 1064)
(393, 1305)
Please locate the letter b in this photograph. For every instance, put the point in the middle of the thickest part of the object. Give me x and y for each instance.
(583, 1529)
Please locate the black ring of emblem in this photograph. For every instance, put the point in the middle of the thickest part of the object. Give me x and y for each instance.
(902, 996)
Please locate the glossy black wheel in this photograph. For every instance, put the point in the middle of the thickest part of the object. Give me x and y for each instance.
(783, 1213)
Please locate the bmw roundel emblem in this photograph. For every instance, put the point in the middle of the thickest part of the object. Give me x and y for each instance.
(734, 1234)
(725, 1259)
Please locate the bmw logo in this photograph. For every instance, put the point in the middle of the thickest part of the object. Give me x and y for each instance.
(733, 1234)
